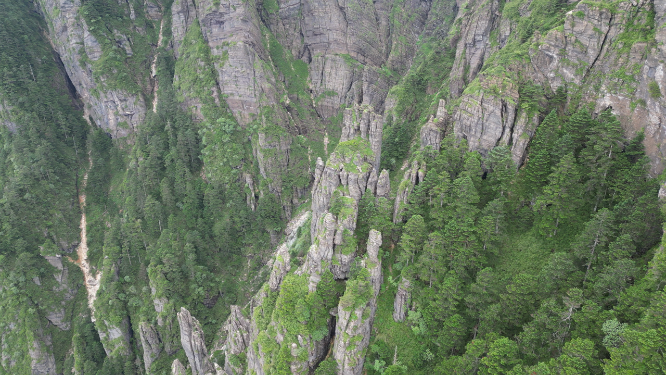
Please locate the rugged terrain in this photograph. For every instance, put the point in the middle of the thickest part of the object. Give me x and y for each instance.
(324, 186)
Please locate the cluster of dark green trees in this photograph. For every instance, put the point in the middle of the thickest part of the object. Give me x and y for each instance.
(544, 270)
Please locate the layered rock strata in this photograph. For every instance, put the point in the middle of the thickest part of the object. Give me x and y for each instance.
(192, 339)
(353, 328)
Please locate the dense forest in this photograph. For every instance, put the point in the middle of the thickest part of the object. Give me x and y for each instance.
(185, 189)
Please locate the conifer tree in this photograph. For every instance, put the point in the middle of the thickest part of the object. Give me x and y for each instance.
(602, 148)
(560, 197)
(594, 237)
(540, 159)
(577, 127)
(411, 242)
(503, 169)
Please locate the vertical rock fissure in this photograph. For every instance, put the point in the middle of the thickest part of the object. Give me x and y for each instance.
(601, 49)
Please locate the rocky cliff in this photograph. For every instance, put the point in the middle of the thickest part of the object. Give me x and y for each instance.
(284, 104)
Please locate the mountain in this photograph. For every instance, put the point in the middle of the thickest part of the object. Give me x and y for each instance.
(332, 187)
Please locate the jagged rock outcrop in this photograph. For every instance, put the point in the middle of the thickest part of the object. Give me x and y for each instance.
(117, 111)
(192, 339)
(587, 56)
(383, 185)
(238, 338)
(6, 116)
(350, 165)
(477, 20)
(352, 331)
(281, 266)
(433, 131)
(232, 31)
(273, 159)
(177, 368)
(183, 13)
(151, 343)
(115, 337)
(401, 303)
(589, 39)
(56, 313)
(413, 176)
(489, 115)
(348, 173)
(42, 361)
(348, 43)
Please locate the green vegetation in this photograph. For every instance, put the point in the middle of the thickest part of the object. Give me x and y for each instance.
(557, 267)
(519, 272)
(655, 91)
(125, 43)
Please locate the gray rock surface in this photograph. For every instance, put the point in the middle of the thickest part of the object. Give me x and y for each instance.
(115, 338)
(383, 185)
(414, 175)
(183, 13)
(238, 338)
(42, 361)
(433, 131)
(487, 118)
(281, 267)
(353, 328)
(585, 56)
(192, 339)
(348, 166)
(116, 111)
(177, 368)
(151, 343)
(401, 303)
(477, 20)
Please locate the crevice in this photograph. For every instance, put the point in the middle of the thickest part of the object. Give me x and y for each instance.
(601, 49)
(76, 98)
(328, 345)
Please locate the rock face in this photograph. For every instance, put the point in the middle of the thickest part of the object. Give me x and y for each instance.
(591, 41)
(352, 331)
(192, 339)
(42, 362)
(401, 303)
(433, 130)
(151, 343)
(281, 266)
(177, 368)
(488, 118)
(350, 165)
(473, 44)
(414, 175)
(341, 183)
(585, 56)
(115, 110)
(383, 185)
(238, 338)
(115, 338)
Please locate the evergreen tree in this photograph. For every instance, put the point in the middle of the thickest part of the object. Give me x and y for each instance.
(503, 169)
(540, 157)
(594, 238)
(413, 236)
(560, 198)
(601, 150)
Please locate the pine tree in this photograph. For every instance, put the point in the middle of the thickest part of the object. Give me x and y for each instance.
(560, 197)
(578, 126)
(540, 157)
(411, 242)
(594, 237)
(503, 169)
(604, 144)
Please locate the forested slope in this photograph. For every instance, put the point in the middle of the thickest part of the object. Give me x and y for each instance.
(317, 187)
